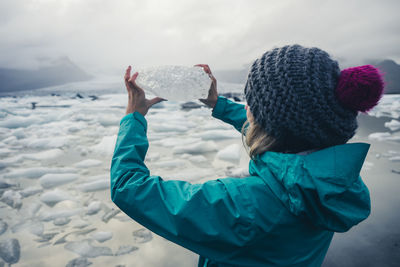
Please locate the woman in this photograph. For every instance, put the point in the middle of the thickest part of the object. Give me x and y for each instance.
(304, 181)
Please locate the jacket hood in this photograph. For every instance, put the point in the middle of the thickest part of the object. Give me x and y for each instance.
(324, 186)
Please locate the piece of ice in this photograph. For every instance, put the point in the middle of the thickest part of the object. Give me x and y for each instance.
(196, 148)
(102, 236)
(52, 215)
(170, 163)
(142, 235)
(86, 249)
(44, 155)
(102, 184)
(174, 141)
(395, 158)
(122, 250)
(168, 127)
(230, 153)
(31, 209)
(178, 83)
(109, 215)
(393, 125)
(46, 237)
(12, 198)
(79, 262)
(32, 226)
(4, 184)
(36, 172)
(237, 172)
(10, 250)
(197, 158)
(30, 191)
(383, 136)
(218, 134)
(88, 163)
(51, 180)
(3, 226)
(106, 145)
(61, 221)
(53, 197)
(94, 207)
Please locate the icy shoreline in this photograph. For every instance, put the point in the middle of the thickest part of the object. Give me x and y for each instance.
(54, 167)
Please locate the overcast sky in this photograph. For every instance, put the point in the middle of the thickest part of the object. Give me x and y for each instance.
(106, 35)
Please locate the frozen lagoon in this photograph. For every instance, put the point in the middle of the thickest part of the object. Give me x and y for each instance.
(55, 200)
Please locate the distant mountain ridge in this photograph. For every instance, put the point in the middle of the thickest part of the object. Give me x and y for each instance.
(389, 67)
(60, 72)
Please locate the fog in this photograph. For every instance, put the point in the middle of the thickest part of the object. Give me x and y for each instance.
(104, 36)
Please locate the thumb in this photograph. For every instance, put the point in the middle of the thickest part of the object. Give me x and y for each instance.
(156, 100)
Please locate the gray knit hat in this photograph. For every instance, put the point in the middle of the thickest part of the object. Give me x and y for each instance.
(291, 93)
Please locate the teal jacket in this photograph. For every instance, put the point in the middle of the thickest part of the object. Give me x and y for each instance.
(284, 214)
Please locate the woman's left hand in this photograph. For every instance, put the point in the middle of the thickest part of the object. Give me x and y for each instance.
(137, 100)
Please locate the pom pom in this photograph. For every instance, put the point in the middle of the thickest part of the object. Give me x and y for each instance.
(360, 88)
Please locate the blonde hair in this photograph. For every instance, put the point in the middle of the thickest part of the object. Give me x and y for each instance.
(256, 140)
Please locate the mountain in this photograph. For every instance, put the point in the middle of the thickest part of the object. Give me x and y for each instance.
(60, 72)
(391, 72)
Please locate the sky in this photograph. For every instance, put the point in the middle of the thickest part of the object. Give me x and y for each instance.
(105, 36)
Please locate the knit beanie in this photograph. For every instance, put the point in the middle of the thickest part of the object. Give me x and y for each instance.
(300, 97)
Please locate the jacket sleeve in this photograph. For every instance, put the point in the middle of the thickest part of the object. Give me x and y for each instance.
(212, 219)
(230, 112)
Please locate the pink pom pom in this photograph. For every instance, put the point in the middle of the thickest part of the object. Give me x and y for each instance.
(360, 88)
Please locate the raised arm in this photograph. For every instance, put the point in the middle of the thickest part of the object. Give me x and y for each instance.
(230, 112)
(223, 109)
(212, 219)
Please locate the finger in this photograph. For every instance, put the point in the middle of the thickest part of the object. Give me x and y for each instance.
(156, 100)
(128, 73)
(205, 67)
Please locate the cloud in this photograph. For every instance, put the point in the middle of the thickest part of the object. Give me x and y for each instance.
(106, 35)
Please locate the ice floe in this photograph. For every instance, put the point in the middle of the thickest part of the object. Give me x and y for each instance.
(10, 250)
(196, 148)
(393, 125)
(84, 248)
(142, 236)
(88, 163)
(102, 236)
(51, 180)
(95, 186)
(230, 153)
(51, 198)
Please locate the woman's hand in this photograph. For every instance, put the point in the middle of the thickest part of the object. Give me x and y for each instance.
(212, 97)
(137, 100)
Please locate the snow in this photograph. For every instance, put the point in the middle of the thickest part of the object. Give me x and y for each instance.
(12, 198)
(142, 236)
(218, 134)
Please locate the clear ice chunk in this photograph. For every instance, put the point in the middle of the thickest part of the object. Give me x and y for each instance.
(177, 83)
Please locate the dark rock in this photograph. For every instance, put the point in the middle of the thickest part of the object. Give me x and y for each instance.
(78, 262)
(10, 250)
(190, 105)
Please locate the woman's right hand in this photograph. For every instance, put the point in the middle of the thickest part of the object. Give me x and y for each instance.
(212, 97)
